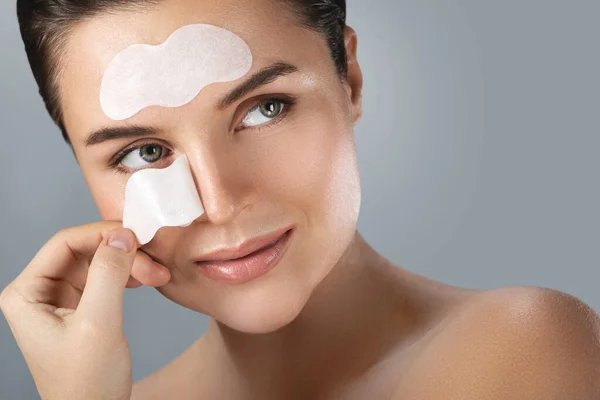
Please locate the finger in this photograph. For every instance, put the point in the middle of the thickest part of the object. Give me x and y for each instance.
(64, 257)
(65, 249)
(149, 272)
(102, 300)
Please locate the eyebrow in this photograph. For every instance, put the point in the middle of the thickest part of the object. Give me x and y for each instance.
(261, 78)
(106, 134)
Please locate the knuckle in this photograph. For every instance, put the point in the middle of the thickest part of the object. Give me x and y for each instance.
(111, 261)
(65, 232)
(3, 297)
(9, 299)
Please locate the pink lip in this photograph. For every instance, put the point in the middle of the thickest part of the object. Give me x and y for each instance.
(249, 246)
(252, 259)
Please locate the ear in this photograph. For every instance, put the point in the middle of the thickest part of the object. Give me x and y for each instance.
(355, 77)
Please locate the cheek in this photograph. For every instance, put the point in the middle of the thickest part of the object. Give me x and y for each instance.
(109, 195)
(311, 166)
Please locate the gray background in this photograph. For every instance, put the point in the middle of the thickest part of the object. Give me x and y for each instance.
(478, 154)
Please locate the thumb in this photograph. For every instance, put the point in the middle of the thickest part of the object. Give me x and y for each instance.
(102, 300)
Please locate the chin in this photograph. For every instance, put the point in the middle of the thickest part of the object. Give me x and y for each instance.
(263, 318)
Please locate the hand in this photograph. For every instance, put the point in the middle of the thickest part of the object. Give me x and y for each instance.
(66, 311)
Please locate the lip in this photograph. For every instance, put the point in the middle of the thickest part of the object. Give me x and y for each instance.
(269, 249)
(247, 247)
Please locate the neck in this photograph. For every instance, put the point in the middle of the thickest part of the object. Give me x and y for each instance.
(350, 321)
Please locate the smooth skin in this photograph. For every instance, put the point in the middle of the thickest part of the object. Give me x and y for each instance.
(334, 319)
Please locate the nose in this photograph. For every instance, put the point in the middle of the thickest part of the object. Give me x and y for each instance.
(216, 185)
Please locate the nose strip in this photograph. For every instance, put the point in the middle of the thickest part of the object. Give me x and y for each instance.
(155, 198)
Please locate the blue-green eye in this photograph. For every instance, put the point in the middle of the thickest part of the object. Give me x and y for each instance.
(263, 113)
(143, 156)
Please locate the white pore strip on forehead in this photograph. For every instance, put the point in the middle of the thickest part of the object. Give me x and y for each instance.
(172, 73)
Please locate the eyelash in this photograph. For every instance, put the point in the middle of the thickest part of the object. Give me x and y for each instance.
(287, 101)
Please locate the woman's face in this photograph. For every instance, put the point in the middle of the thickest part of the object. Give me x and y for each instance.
(297, 168)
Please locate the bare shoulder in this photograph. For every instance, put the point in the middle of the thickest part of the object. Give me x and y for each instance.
(514, 342)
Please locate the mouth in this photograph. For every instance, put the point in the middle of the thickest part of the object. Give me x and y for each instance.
(252, 259)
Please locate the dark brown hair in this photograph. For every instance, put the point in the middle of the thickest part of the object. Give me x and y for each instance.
(45, 24)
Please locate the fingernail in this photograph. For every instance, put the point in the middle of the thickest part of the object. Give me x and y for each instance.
(122, 239)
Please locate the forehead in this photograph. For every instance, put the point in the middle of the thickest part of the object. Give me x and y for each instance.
(267, 26)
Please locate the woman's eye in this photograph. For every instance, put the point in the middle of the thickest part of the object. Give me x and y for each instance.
(263, 113)
(143, 156)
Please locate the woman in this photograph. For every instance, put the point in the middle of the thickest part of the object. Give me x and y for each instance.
(323, 315)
